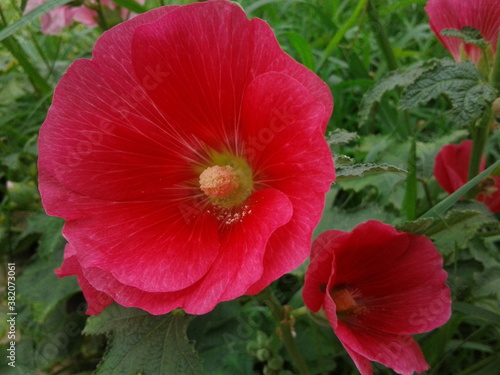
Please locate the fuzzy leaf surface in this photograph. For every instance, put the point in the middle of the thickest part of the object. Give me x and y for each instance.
(390, 82)
(468, 34)
(340, 137)
(361, 170)
(141, 343)
(460, 83)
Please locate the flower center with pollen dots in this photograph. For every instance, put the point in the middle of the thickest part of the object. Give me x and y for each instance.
(226, 186)
(219, 182)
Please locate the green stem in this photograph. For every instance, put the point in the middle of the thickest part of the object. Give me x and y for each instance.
(410, 199)
(299, 312)
(427, 192)
(482, 131)
(479, 139)
(495, 75)
(381, 36)
(100, 16)
(282, 315)
(334, 42)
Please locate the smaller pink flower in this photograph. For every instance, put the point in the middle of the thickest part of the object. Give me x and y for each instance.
(377, 287)
(54, 20)
(451, 167)
(483, 15)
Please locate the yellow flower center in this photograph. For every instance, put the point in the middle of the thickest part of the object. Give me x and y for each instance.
(344, 300)
(219, 182)
(228, 182)
(347, 302)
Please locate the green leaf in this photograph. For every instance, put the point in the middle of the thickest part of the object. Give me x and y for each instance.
(222, 336)
(487, 282)
(451, 231)
(393, 80)
(303, 48)
(51, 238)
(342, 160)
(340, 137)
(140, 343)
(131, 5)
(361, 170)
(468, 34)
(477, 312)
(31, 16)
(461, 83)
(40, 290)
(433, 226)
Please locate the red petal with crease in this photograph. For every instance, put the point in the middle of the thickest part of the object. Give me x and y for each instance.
(399, 352)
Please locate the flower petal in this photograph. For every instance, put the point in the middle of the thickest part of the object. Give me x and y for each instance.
(146, 244)
(401, 280)
(243, 244)
(364, 366)
(96, 300)
(202, 91)
(114, 145)
(321, 268)
(451, 165)
(142, 242)
(283, 140)
(399, 352)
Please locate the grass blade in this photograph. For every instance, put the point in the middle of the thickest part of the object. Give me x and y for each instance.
(31, 16)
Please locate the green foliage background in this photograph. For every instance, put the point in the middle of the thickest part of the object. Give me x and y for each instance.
(393, 124)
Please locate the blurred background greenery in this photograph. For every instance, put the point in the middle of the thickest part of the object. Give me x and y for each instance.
(337, 40)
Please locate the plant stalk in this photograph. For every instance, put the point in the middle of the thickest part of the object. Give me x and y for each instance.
(410, 199)
(480, 136)
(337, 38)
(495, 75)
(479, 140)
(381, 36)
(285, 321)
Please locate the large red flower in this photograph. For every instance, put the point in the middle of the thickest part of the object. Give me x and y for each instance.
(377, 287)
(451, 167)
(188, 159)
(483, 15)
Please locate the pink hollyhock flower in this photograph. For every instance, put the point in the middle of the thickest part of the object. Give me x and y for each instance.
(483, 15)
(188, 158)
(377, 287)
(54, 20)
(451, 167)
